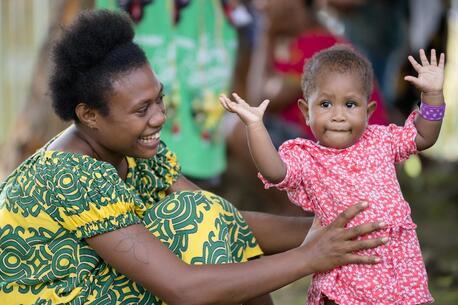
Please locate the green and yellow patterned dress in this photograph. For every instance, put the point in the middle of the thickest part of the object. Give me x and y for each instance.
(55, 200)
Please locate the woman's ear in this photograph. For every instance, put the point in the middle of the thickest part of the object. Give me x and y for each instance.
(86, 115)
(371, 108)
(304, 107)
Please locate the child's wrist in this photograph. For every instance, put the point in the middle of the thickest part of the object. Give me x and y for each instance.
(433, 98)
(255, 125)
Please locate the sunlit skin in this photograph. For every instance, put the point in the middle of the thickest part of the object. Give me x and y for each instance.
(337, 111)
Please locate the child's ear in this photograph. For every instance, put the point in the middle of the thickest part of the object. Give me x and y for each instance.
(371, 108)
(304, 107)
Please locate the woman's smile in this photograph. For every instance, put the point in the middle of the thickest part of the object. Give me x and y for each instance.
(151, 140)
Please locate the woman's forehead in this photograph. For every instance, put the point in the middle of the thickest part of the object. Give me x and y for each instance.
(136, 86)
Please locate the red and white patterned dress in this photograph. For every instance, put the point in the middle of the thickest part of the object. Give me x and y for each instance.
(327, 181)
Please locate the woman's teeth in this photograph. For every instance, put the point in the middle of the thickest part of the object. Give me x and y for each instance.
(150, 138)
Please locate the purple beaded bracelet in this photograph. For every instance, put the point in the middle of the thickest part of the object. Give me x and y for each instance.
(432, 113)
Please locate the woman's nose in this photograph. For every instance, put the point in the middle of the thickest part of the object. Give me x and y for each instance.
(158, 118)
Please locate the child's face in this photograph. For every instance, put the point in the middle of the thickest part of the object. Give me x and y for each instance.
(337, 110)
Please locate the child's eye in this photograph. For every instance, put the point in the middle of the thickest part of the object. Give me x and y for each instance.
(350, 104)
(325, 104)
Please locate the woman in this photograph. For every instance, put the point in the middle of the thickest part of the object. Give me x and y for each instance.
(92, 217)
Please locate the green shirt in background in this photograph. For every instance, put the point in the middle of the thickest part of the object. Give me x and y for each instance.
(194, 60)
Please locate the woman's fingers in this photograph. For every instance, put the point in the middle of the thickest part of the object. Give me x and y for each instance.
(348, 215)
(352, 233)
(316, 224)
(360, 259)
(357, 245)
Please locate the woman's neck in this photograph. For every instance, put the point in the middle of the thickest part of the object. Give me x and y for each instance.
(80, 139)
(100, 152)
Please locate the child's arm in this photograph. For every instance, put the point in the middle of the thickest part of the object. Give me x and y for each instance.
(430, 82)
(263, 152)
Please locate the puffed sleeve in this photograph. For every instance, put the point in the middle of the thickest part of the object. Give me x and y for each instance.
(402, 139)
(292, 154)
(156, 175)
(88, 196)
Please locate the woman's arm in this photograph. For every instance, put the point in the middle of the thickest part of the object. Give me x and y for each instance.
(275, 233)
(135, 252)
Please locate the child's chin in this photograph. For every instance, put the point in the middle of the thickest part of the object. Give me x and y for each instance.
(340, 145)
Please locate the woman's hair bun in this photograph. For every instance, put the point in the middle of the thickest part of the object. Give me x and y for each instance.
(92, 37)
(92, 52)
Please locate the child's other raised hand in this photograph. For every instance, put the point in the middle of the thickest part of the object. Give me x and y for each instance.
(430, 79)
(248, 114)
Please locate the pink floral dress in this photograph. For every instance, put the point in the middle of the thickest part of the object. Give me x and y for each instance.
(327, 181)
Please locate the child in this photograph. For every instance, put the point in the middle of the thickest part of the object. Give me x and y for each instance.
(351, 162)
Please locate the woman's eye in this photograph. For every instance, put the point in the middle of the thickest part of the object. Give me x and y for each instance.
(143, 110)
(325, 104)
(160, 99)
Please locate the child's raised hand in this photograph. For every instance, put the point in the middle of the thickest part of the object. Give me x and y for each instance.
(248, 114)
(430, 79)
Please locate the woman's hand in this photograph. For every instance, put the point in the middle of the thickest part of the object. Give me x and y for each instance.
(334, 245)
(248, 114)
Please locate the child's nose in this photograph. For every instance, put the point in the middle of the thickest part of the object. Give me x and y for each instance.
(338, 114)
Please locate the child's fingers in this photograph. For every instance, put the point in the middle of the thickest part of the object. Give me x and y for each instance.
(223, 102)
(433, 57)
(264, 105)
(226, 103)
(423, 58)
(414, 63)
(410, 79)
(441, 61)
(239, 99)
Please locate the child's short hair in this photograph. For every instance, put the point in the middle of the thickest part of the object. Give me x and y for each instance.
(339, 58)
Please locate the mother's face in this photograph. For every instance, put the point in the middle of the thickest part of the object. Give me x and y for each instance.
(136, 115)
